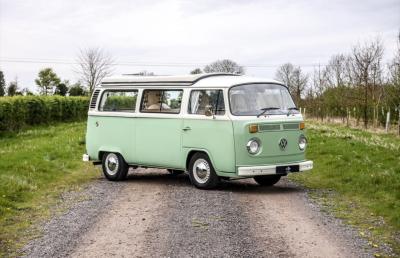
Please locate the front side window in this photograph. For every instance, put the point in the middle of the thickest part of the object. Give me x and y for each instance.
(200, 99)
(161, 101)
(254, 99)
(118, 101)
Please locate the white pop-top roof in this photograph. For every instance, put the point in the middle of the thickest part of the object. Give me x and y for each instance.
(197, 80)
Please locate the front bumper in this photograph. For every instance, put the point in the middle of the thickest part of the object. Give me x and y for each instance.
(279, 169)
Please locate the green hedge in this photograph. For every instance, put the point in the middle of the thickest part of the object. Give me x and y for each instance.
(20, 111)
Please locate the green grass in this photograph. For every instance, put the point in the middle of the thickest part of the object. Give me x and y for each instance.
(36, 166)
(357, 176)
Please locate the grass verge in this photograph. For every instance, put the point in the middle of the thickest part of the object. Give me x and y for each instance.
(36, 166)
(357, 176)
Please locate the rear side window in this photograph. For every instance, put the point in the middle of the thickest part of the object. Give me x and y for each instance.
(161, 101)
(118, 101)
(200, 99)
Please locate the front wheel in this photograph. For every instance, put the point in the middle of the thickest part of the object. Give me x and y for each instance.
(201, 172)
(267, 180)
(114, 166)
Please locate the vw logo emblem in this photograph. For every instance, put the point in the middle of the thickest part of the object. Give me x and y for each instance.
(282, 144)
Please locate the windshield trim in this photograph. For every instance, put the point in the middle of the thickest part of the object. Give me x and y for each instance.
(247, 83)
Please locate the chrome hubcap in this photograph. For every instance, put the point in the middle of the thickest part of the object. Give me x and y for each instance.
(112, 164)
(201, 171)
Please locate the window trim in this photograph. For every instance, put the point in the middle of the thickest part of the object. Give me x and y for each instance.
(190, 100)
(163, 90)
(99, 108)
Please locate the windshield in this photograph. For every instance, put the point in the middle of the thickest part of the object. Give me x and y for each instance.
(256, 99)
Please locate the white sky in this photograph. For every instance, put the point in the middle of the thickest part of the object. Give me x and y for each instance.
(154, 32)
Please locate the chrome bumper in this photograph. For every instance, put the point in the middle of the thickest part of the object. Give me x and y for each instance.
(272, 170)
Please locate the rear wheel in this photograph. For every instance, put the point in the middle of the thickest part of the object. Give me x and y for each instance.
(201, 172)
(114, 166)
(267, 180)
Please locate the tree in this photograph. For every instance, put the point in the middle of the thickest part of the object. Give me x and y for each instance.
(12, 88)
(26, 92)
(224, 66)
(293, 78)
(62, 88)
(94, 65)
(196, 71)
(47, 80)
(367, 60)
(2, 84)
(77, 90)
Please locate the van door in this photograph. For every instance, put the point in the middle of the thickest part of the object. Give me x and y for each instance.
(158, 129)
(212, 134)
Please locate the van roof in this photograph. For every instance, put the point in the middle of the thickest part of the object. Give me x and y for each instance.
(196, 80)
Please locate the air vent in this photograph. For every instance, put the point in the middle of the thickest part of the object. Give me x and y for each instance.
(94, 99)
(291, 126)
(269, 127)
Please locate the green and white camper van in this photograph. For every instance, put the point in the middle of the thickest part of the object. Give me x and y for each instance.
(212, 126)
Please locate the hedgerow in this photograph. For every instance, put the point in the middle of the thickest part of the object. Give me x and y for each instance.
(22, 111)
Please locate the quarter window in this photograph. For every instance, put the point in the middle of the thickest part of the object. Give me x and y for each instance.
(119, 101)
(161, 101)
(200, 99)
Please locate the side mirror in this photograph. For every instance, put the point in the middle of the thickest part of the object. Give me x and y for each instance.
(208, 111)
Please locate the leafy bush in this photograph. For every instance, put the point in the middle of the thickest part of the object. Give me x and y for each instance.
(21, 111)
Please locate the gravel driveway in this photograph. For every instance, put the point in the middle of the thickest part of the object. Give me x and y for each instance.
(154, 214)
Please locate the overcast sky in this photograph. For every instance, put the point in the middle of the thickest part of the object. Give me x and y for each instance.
(171, 37)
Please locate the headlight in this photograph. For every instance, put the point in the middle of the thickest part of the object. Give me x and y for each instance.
(253, 146)
(302, 142)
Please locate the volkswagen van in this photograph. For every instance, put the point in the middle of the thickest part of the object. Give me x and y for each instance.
(212, 126)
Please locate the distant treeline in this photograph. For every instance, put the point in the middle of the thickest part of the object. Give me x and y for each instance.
(358, 84)
(22, 111)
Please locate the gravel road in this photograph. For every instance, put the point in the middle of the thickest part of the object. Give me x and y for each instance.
(154, 214)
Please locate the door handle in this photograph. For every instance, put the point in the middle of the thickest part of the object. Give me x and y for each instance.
(187, 128)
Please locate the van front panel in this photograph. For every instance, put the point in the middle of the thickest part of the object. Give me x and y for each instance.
(269, 135)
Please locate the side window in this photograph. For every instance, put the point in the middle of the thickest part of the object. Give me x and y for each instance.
(161, 101)
(200, 99)
(118, 101)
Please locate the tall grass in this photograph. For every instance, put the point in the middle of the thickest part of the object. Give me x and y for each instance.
(36, 165)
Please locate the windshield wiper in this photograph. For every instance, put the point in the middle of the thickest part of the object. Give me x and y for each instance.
(264, 110)
(291, 109)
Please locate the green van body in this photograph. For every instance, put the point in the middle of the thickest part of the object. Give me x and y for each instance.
(169, 140)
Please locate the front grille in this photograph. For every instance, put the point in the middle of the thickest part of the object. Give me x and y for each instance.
(269, 127)
(291, 126)
(94, 99)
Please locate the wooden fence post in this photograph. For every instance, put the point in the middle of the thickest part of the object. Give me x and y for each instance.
(387, 121)
(398, 109)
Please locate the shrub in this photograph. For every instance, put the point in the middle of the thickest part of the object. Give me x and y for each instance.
(21, 111)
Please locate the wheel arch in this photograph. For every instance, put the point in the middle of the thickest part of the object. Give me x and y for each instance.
(192, 152)
(103, 150)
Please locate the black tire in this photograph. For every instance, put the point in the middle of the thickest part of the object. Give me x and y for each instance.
(175, 172)
(121, 168)
(267, 180)
(206, 179)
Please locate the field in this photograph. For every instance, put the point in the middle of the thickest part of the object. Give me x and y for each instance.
(36, 165)
(357, 176)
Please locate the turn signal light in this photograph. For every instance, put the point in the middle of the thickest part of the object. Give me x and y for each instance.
(302, 125)
(253, 128)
